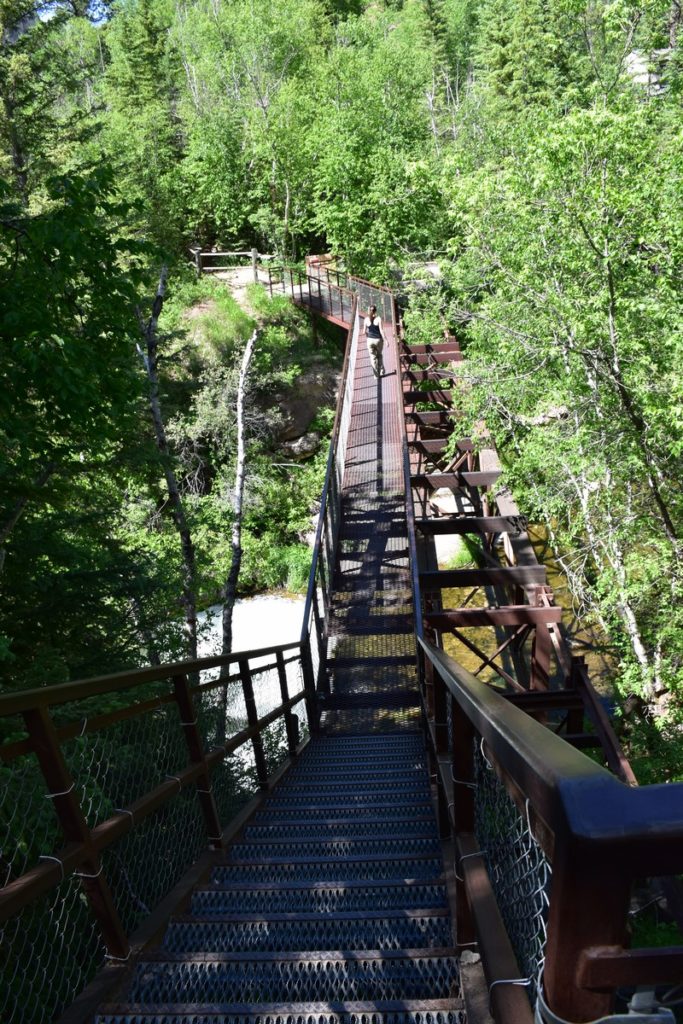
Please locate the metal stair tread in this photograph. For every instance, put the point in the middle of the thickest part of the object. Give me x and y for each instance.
(343, 915)
(355, 830)
(371, 858)
(397, 881)
(355, 930)
(401, 1011)
(381, 659)
(313, 955)
(428, 834)
(299, 800)
(268, 852)
(363, 771)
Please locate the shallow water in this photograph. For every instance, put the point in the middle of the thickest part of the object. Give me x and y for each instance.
(261, 621)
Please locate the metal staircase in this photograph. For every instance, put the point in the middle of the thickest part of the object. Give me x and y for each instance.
(332, 906)
(258, 838)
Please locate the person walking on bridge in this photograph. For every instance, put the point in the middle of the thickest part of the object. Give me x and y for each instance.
(374, 336)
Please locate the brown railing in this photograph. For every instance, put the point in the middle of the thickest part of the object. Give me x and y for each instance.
(314, 628)
(547, 845)
(111, 789)
(315, 291)
(205, 262)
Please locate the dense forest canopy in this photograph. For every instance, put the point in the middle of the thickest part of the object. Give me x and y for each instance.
(533, 149)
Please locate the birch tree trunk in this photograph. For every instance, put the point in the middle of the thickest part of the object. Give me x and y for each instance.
(149, 357)
(230, 589)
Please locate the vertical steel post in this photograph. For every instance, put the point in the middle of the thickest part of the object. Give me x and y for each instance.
(462, 765)
(291, 721)
(252, 719)
(60, 783)
(588, 907)
(195, 747)
(254, 264)
(440, 713)
(312, 710)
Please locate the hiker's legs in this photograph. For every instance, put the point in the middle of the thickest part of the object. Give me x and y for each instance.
(375, 353)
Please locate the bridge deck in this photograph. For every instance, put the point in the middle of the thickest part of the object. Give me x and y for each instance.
(333, 902)
(371, 647)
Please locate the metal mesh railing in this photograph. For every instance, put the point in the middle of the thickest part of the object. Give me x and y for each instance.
(318, 291)
(314, 630)
(49, 952)
(373, 295)
(518, 869)
(109, 791)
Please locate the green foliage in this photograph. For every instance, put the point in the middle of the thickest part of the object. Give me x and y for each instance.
(514, 136)
(648, 932)
(467, 552)
(267, 564)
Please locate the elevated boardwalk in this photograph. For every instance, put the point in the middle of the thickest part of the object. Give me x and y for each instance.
(333, 902)
(315, 833)
(371, 645)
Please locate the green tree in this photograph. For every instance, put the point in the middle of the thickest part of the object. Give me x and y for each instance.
(141, 133)
(570, 289)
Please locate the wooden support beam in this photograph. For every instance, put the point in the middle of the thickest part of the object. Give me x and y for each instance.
(604, 968)
(422, 376)
(443, 347)
(195, 746)
(433, 447)
(448, 355)
(440, 525)
(511, 615)
(550, 700)
(436, 417)
(540, 659)
(434, 395)
(509, 1001)
(463, 477)
(502, 577)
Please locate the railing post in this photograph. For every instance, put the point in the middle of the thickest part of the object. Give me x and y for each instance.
(252, 719)
(61, 791)
(254, 264)
(462, 772)
(320, 301)
(319, 626)
(541, 647)
(195, 747)
(291, 721)
(588, 907)
(309, 686)
(440, 713)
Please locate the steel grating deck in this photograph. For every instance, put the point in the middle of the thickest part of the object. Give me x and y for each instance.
(371, 645)
(332, 907)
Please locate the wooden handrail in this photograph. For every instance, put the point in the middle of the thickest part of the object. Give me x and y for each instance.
(599, 834)
(62, 693)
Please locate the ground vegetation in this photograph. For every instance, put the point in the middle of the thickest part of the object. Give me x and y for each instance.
(531, 153)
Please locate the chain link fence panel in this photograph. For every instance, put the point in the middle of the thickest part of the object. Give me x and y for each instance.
(519, 870)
